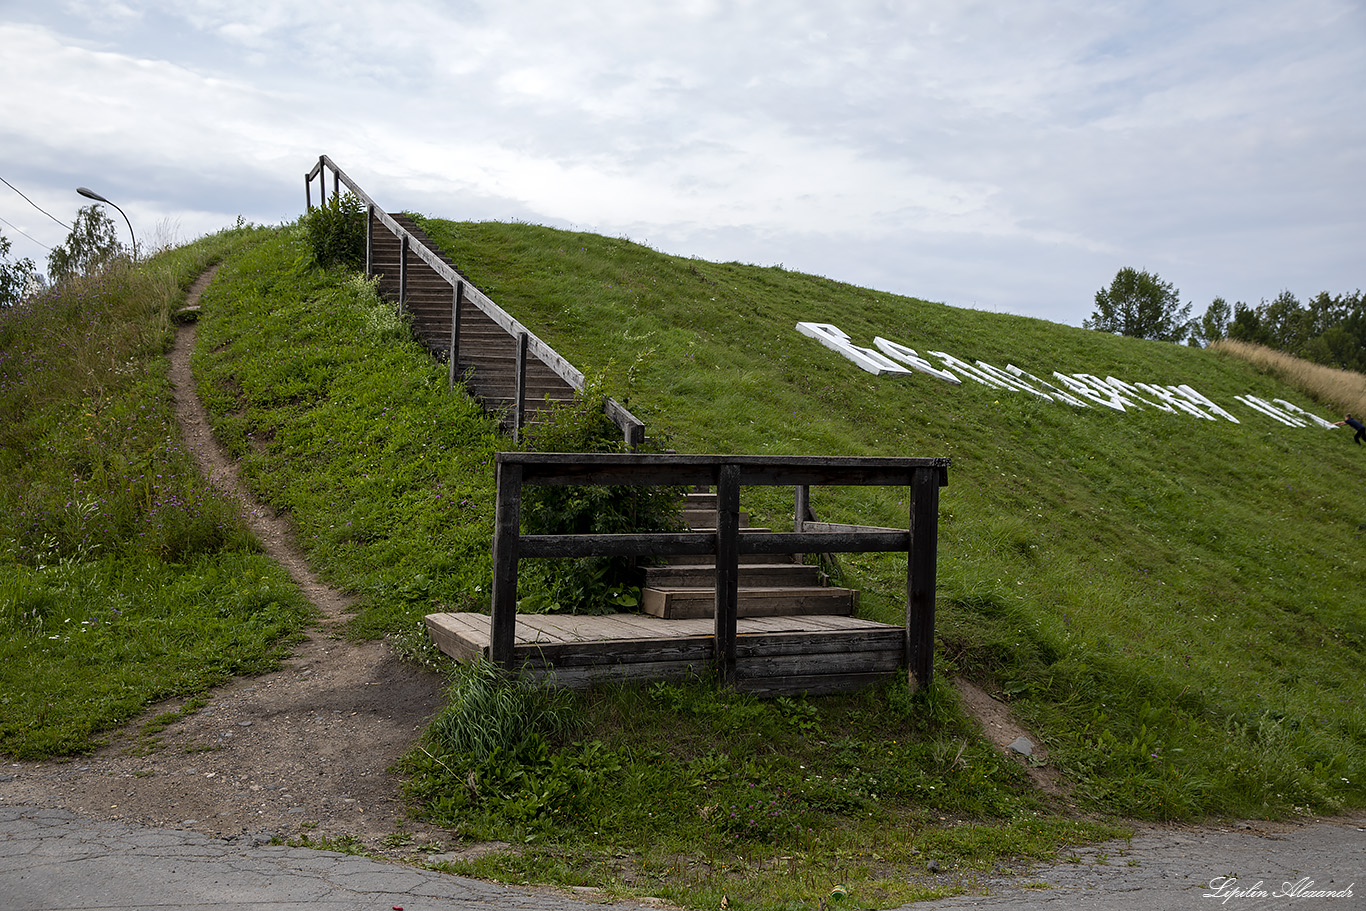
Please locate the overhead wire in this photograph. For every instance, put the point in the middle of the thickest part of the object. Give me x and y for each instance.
(25, 233)
(35, 205)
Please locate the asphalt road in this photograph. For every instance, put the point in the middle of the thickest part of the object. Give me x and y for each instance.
(53, 860)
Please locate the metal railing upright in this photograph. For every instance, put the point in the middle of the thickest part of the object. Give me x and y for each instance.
(528, 344)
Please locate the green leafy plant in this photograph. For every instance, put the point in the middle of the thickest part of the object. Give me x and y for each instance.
(336, 232)
(591, 584)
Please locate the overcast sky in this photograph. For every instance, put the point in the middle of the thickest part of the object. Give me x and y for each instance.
(1008, 156)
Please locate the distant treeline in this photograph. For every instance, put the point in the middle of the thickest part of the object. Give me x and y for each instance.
(1328, 329)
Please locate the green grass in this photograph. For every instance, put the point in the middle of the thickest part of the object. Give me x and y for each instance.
(343, 422)
(1172, 604)
(691, 792)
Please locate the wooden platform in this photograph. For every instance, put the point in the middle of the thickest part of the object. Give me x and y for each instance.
(774, 655)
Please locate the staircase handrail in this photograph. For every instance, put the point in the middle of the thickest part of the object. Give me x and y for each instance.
(633, 429)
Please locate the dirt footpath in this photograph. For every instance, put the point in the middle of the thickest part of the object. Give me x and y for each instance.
(302, 752)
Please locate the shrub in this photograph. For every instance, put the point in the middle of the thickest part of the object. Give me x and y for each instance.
(336, 232)
(588, 584)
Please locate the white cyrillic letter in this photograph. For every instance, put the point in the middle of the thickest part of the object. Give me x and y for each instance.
(910, 358)
(1191, 395)
(1012, 381)
(1055, 392)
(1296, 409)
(1269, 410)
(832, 338)
(968, 370)
(1083, 389)
(1171, 398)
(1133, 393)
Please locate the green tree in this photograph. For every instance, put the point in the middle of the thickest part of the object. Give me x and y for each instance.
(1289, 325)
(1247, 326)
(1213, 325)
(91, 244)
(18, 277)
(1141, 305)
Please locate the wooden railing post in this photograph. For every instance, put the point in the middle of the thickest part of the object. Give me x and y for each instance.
(921, 566)
(370, 240)
(801, 507)
(519, 389)
(727, 569)
(507, 527)
(634, 435)
(457, 299)
(402, 272)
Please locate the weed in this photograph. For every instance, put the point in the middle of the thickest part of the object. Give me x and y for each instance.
(336, 232)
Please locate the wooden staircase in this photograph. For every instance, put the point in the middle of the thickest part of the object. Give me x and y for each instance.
(486, 359)
(771, 585)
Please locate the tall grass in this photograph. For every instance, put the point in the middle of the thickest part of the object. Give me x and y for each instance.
(123, 577)
(1344, 389)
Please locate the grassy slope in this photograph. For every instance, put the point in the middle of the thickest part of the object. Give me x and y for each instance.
(1174, 603)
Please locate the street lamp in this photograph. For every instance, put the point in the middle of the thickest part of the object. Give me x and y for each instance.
(91, 194)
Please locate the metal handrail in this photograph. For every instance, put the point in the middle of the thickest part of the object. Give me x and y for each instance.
(633, 429)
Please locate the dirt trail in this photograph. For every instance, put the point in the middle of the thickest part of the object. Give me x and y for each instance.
(304, 751)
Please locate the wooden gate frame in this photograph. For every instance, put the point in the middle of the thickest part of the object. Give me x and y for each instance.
(727, 473)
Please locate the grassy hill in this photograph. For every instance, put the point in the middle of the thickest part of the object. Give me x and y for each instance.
(1172, 604)
(1177, 604)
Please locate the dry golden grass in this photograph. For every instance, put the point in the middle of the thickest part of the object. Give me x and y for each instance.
(1344, 389)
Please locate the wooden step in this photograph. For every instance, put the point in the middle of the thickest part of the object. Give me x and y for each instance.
(684, 603)
(709, 560)
(699, 519)
(752, 575)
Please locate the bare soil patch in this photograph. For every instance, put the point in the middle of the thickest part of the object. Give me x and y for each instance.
(1003, 731)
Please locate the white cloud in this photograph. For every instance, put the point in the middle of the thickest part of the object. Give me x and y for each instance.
(1003, 154)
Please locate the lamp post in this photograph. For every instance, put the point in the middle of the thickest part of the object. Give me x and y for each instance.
(91, 194)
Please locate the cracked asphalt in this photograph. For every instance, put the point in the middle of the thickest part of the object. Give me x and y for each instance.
(54, 860)
(1317, 866)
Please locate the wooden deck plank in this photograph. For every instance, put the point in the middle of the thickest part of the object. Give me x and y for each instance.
(793, 654)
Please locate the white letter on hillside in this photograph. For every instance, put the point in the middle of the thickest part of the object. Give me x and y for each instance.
(1110, 400)
(832, 338)
(1296, 409)
(1013, 381)
(968, 370)
(1055, 391)
(1269, 410)
(1197, 398)
(910, 358)
(1133, 393)
(1171, 398)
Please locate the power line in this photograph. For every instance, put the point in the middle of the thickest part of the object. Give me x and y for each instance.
(36, 206)
(25, 233)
